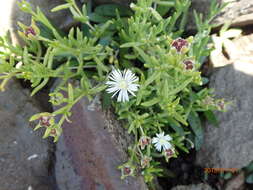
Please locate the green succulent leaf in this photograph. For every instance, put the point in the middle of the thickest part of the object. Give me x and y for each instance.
(196, 127)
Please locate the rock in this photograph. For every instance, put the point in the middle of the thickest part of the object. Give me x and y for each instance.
(200, 186)
(236, 50)
(236, 183)
(90, 150)
(25, 158)
(226, 50)
(230, 145)
(239, 12)
(11, 14)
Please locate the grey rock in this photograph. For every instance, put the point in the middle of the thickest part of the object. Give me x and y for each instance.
(66, 176)
(230, 145)
(239, 12)
(200, 186)
(90, 150)
(11, 13)
(236, 183)
(24, 155)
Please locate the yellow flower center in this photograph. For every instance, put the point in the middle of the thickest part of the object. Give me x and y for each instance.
(162, 141)
(123, 84)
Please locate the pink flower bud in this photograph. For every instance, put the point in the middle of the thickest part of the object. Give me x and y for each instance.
(189, 65)
(126, 170)
(169, 153)
(221, 105)
(31, 31)
(179, 44)
(45, 121)
(145, 161)
(144, 141)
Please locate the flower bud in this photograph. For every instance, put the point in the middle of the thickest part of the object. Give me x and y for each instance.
(127, 170)
(145, 161)
(169, 152)
(30, 31)
(179, 44)
(188, 64)
(45, 121)
(144, 141)
(221, 105)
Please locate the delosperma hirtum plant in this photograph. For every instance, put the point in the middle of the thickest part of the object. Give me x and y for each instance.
(136, 59)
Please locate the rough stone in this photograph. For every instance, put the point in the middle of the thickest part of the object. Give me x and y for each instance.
(236, 183)
(230, 145)
(24, 155)
(228, 51)
(239, 12)
(10, 14)
(200, 186)
(90, 150)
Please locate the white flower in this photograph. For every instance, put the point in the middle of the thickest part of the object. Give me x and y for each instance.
(121, 83)
(162, 141)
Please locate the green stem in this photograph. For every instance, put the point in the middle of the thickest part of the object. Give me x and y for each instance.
(39, 51)
(142, 132)
(132, 154)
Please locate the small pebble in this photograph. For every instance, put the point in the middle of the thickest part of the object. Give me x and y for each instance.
(32, 156)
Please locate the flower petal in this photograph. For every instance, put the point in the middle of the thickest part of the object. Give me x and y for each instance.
(116, 84)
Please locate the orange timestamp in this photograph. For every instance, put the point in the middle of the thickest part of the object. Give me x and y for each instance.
(220, 170)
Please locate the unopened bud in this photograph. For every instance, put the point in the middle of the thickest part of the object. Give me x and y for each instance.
(31, 31)
(144, 141)
(179, 44)
(145, 161)
(188, 64)
(45, 121)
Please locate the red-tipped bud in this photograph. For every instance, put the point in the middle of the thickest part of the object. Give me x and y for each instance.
(221, 105)
(31, 31)
(188, 64)
(144, 141)
(145, 161)
(45, 121)
(127, 170)
(169, 152)
(179, 44)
